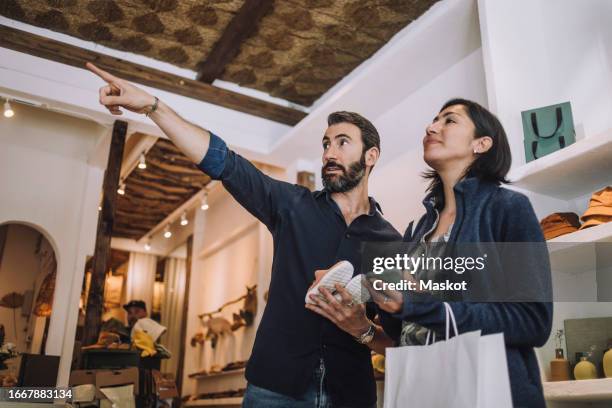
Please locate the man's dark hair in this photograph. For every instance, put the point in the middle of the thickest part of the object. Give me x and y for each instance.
(369, 134)
(494, 164)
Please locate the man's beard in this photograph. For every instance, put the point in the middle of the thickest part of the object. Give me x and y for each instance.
(346, 181)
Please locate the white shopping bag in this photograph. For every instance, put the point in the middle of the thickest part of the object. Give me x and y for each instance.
(493, 380)
(465, 371)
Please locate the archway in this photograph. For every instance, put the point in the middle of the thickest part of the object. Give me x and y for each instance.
(28, 272)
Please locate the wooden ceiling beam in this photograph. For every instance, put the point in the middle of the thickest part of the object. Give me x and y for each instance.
(53, 50)
(243, 25)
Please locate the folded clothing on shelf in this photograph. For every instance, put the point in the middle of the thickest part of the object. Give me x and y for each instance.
(560, 223)
(198, 374)
(600, 208)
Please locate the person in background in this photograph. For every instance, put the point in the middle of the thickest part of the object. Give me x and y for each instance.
(136, 309)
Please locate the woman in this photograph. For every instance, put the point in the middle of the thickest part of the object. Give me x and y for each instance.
(468, 151)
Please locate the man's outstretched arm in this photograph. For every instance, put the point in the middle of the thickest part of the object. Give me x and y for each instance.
(260, 194)
(192, 140)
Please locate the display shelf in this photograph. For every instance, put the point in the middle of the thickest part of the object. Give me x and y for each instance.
(600, 233)
(583, 390)
(576, 170)
(219, 374)
(214, 402)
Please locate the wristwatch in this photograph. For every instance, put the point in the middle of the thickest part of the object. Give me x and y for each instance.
(368, 336)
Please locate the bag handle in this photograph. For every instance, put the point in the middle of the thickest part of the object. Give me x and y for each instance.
(534, 146)
(534, 124)
(450, 318)
(427, 338)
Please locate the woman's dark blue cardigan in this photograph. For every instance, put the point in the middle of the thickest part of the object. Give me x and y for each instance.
(487, 212)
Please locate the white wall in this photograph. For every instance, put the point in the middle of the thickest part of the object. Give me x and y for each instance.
(46, 181)
(396, 183)
(227, 271)
(542, 52)
(231, 249)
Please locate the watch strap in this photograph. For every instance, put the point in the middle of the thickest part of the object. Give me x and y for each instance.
(368, 336)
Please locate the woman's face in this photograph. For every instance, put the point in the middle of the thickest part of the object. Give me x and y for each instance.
(449, 139)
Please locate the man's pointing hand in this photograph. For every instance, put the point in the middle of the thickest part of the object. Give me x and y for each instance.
(119, 93)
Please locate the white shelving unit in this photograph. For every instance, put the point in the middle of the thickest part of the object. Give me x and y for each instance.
(579, 391)
(218, 382)
(573, 171)
(600, 233)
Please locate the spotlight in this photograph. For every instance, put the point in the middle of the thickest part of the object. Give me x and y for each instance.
(147, 245)
(121, 189)
(8, 111)
(167, 232)
(204, 205)
(184, 220)
(142, 163)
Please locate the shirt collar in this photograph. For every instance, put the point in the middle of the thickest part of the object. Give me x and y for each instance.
(374, 206)
(470, 188)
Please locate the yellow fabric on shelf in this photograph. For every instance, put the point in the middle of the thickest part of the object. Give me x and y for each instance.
(144, 342)
(378, 362)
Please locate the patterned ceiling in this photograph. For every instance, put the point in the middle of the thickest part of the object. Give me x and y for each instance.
(300, 50)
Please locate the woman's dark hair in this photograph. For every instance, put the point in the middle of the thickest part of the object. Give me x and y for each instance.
(494, 164)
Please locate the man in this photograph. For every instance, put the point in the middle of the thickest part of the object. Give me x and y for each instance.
(299, 359)
(136, 309)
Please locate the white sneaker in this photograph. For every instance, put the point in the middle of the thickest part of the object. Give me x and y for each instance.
(340, 273)
(358, 292)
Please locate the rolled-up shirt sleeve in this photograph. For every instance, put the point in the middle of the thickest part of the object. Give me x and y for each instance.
(257, 192)
(213, 162)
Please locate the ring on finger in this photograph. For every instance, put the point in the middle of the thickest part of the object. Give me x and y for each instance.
(350, 304)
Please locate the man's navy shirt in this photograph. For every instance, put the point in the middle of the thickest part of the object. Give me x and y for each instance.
(309, 233)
